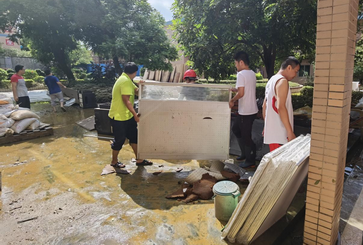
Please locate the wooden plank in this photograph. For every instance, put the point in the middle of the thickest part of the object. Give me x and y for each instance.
(26, 136)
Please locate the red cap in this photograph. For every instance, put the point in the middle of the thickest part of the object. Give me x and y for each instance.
(190, 73)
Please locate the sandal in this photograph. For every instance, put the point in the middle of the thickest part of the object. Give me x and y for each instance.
(144, 163)
(117, 165)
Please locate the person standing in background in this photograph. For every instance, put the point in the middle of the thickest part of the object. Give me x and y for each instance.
(18, 86)
(247, 108)
(277, 107)
(55, 91)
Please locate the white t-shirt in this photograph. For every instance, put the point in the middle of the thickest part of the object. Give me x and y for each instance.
(247, 105)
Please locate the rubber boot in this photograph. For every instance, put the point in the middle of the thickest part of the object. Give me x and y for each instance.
(242, 147)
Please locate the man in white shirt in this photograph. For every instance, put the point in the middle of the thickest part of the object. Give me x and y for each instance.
(247, 108)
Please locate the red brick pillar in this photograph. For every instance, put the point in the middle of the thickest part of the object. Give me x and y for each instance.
(335, 48)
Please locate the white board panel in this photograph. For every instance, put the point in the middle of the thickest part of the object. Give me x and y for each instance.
(180, 129)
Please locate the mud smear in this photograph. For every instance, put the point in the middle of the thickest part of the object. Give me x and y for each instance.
(59, 182)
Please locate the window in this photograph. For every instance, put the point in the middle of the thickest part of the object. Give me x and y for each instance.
(304, 71)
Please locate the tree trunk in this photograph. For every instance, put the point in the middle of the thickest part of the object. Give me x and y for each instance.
(61, 58)
(116, 63)
(269, 54)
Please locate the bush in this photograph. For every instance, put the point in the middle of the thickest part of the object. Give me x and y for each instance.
(3, 74)
(142, 71)
(80, 80)
(10, 71)
(77, 71)
(260, 90)
(40, 72)
(232, 77)
(30, 74)
(356, 96)
(39, 79)
(259, 76)
(29, 83)
(83, 75)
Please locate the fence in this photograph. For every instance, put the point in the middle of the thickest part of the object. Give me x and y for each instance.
(28, 63)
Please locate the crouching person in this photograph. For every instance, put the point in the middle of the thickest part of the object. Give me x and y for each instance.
(123, 116)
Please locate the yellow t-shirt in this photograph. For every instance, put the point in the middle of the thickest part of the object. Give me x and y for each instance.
(123, 86)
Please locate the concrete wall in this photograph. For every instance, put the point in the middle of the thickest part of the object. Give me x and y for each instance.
(28, 63)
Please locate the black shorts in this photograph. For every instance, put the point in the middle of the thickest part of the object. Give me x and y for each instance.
(24, 102)
(123, 130)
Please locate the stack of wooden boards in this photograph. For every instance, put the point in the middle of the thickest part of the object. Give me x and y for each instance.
(176, 76)
(272, 188)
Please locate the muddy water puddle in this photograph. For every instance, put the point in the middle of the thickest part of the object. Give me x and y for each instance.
(56, 180)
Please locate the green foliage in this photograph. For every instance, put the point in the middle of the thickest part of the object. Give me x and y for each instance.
(39, 79)
(232, 77)
(30, 74)
(80, 80)
(48, 28)
(40, 72)
(212, 31)
(137, 36)
(10, 73)
(81, 55)
(259, 76)
(3, 74)
(260, 90)
(356, 96)
(82, 75)
(358, 62)
(57, 72)
(13, 52)
(142, 71)
(77, 71)
(29, 83)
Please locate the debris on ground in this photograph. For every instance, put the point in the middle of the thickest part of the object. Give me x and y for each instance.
(26, 220)
(199, 184)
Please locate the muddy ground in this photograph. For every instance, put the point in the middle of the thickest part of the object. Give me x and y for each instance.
(55, 181)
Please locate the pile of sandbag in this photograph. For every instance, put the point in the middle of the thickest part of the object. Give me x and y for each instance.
(15, 119)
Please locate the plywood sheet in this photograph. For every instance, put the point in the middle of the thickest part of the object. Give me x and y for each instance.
(165, 76)
(184, 130)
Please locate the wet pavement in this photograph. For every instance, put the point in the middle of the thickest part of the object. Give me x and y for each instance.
(55, 182)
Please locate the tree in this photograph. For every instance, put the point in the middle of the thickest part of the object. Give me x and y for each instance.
(81, 55)
(211, 31)
(46, 26)
(130, 31)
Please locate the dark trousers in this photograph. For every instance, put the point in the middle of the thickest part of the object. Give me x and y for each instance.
(242, 129)
(24, 102)
(123, 130)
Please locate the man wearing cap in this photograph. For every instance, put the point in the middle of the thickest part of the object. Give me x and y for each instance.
(192, 93)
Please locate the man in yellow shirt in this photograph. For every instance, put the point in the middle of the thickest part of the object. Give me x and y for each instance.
(123, 116)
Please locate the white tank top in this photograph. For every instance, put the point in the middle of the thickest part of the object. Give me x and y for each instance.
(275, 132)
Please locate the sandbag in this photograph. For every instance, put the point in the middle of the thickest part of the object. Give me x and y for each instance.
(5, 100)
(6, 108)
(6, 131)
(6, 122)
(34, 125)
(22, 114)
(19, 126)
